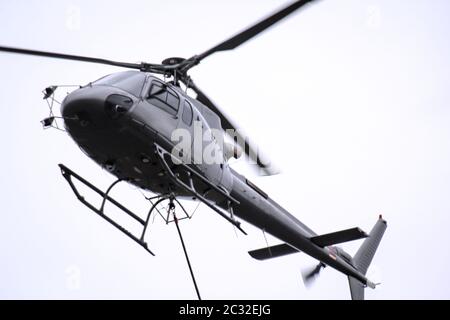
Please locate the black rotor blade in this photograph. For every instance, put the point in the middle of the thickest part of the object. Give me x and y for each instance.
(252, 31)
(249, 149)
(70, 57)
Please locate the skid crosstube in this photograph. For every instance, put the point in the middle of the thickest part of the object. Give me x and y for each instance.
(191, 173)
(69, 174)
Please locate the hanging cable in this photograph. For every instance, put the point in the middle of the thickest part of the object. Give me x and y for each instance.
(172, 208)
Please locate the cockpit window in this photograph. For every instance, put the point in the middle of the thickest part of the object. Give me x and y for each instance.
(130, 81)
(187, 113)
(163, 97)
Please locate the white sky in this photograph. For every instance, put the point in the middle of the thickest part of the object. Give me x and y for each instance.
(350, 98)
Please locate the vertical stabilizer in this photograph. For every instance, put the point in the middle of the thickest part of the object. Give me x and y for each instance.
(364, 256)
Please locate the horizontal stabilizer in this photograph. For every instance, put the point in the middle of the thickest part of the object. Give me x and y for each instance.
(339, 237)
(272, 252)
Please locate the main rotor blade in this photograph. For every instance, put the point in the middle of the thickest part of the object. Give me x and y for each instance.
(252, 31)
(249, 149)
(70, 57)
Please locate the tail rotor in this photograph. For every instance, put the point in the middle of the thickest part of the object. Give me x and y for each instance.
(310, 275)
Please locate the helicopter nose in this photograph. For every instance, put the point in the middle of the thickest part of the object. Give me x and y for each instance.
(94, 106)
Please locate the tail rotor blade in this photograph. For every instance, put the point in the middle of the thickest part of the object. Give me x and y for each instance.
(310, 275)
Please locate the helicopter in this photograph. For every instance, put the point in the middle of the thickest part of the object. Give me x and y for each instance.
(126, 122)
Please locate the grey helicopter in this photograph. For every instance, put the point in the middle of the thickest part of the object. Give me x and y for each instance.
(125, 122)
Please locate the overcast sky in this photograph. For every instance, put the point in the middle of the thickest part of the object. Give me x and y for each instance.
(349, 97)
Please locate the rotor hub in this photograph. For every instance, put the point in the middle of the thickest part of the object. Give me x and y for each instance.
(172, 61)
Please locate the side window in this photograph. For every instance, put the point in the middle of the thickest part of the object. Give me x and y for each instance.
(187, 113)
(163, 98)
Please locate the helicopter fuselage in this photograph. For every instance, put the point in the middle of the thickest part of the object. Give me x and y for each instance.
(118, 126)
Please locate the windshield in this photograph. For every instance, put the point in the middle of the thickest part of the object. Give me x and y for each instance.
(130, 81)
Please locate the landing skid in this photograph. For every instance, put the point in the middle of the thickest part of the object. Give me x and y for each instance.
(170, 217)
(176, 172)
(69, 175)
